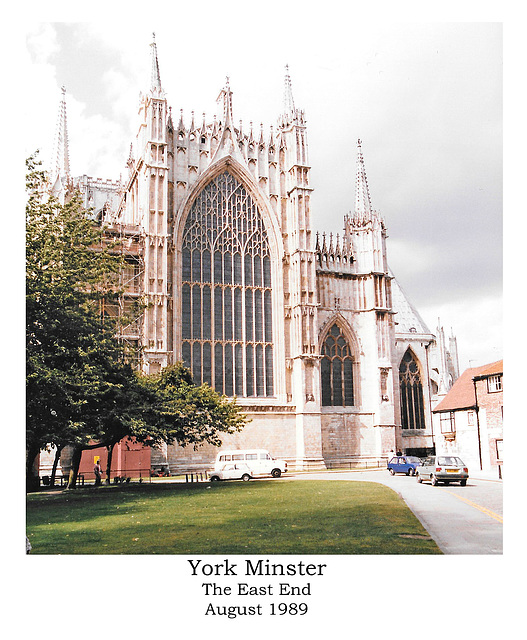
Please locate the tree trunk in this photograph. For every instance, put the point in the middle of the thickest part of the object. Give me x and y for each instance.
(55, 464)
(75, 464)
(32, 479)
(109, 447)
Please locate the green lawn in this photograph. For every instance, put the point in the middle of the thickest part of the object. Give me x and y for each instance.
(257, 517)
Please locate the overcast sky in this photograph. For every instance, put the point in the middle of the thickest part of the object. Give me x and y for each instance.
(424, 98)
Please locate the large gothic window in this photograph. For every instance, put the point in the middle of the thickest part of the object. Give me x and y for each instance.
(337, 370)
(226, 292)
(412, 405)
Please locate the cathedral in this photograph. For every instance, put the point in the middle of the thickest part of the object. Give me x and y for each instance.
(311, 332)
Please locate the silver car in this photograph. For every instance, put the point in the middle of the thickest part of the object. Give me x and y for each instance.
(443, 468)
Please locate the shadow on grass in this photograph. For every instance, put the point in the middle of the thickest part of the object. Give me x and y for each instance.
(286, 517)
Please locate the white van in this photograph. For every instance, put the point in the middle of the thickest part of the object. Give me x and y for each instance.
(259, 461)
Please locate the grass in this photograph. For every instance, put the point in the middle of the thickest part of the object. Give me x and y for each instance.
(259, 517)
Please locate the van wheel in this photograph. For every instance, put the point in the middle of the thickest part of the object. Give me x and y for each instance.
(419, 479)
(246, 477)
(463, 483)
(214, 478)
(433, 480)
(276, 473)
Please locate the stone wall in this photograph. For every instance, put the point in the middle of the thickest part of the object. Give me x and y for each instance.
(273, 430)
(352, 437)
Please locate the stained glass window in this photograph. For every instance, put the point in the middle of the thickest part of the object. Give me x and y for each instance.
(337, 370)
(412, 405)
(226, 293)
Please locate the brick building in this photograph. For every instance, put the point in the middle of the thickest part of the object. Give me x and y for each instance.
(469, 419)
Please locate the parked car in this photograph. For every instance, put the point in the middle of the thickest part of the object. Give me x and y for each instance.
(232, 471)
(259, 461)
(443, 468)
(403, 464)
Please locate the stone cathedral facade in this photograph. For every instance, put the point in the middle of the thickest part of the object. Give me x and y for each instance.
(311, 332)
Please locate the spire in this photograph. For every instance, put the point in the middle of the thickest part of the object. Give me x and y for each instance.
(156, 78)
(362, 193)
(61, 157)
(289, 103)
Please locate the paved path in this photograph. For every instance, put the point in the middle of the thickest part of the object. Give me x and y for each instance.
(461, 520)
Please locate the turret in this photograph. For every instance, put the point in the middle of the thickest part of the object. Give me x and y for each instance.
(364, 228)
(150, 189)
(300, 295)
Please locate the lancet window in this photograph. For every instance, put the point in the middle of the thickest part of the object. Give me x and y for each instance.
(226, 292)
(412, 403)
(337, 370)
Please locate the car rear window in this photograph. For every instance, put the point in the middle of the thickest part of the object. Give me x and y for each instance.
(450, 461)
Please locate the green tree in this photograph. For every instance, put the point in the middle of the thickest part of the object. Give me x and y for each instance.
(183, 412)
(76, 370)
(81, 389)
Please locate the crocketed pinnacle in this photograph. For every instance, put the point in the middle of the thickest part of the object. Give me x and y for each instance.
(362, 193)
(61, 158)
(289, 103)
(226, 96)
(156, 77)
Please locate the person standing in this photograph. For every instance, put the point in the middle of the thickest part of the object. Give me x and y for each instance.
(97, 470)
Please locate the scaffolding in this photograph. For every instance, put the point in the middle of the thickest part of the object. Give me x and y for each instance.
(128, 241)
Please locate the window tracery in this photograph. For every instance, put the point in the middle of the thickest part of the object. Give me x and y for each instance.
(337, 370)
(226, 292)
(412, 403)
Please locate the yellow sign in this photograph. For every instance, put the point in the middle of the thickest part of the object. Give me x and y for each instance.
(96, 459)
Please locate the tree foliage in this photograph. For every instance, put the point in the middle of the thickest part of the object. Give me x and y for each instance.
(76, 371)
(187, 413)
(81, 389)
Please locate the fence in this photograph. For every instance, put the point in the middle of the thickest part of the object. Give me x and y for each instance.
(117, 476)
(373, 463)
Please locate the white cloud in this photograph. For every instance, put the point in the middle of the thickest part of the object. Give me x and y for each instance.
(42, 41)
(424, 98)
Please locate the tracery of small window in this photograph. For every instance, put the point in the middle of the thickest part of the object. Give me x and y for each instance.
(411, 393)
(336, 370)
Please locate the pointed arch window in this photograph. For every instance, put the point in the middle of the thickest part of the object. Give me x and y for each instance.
(337, 370)
(412, 403)
(226, 292)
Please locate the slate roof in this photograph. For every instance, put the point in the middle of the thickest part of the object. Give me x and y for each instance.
(461, 395)
(408, 319)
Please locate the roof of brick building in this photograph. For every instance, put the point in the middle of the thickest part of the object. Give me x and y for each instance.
(462, 395)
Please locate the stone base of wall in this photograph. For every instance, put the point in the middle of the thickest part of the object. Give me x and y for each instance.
(346, 440)
(347, 435)
(274, 431)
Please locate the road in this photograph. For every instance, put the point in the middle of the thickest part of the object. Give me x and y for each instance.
(461, 520)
